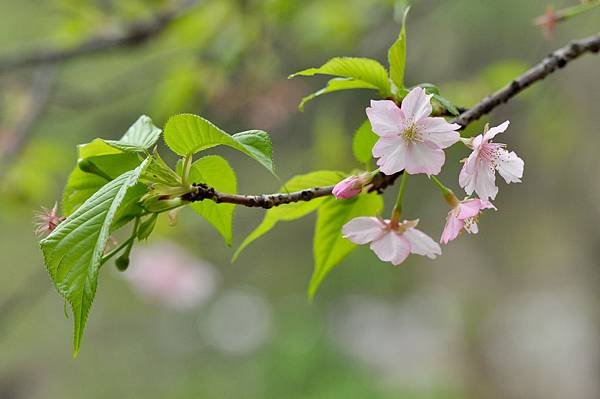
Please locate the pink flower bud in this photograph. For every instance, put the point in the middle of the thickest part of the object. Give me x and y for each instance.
(350, 187)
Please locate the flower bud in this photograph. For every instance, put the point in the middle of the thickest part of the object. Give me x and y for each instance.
(350, 187)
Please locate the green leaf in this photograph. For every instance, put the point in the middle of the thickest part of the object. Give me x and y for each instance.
(365, 70)
(397, 55)
(215, 172)
(362, 143)
(447, 104)
(73, 251)
(102, 163)
(140, 137)
(187, 134)
(294, 210)
(329, 245)
(337, 84)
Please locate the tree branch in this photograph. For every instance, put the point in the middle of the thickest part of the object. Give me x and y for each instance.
(551, 63)
(133, 35)
(556, 59)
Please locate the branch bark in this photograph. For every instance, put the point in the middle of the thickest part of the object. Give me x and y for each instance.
(557, 59)
(133, 35)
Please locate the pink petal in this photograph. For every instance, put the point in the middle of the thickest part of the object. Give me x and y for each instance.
(490, 134)
(510, 166)
(477, 175)
(386, 118)
(362, 230)
(422, 244)
(452, 228)
(391, 247)
(391, 152)
(416, 105)
(424, 158)
(439, 132)
(469, 208)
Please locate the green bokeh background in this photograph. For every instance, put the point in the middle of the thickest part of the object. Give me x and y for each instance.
(509, 313)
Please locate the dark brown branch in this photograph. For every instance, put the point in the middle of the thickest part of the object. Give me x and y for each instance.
(133, 35)
(557, 59)
(203, 192)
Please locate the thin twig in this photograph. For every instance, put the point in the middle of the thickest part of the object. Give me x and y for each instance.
(133, 35)
(40, 94)
(551, 63)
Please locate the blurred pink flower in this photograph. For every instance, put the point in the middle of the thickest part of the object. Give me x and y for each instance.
(478, 174)
(391, 243)
(164, 273)
(46, 221)
(464, 217)
(547, 21)
(410, 139)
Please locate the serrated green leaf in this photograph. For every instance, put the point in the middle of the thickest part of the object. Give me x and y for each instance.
(360, 69)
(112, 162)
(329, 246)
(188, 134)
(447, 104)
(294, 210)
(215, 172)
(397, 55)
(73, 251)
(362, 143)
(337, 84)
(140, 137)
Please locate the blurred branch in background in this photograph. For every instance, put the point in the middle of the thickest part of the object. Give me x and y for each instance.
(18, 137)
(133, 35)
(557, 59)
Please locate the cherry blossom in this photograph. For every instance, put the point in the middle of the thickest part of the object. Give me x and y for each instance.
(47, 220)
(464, 216)
(391, 242)
(409, 139)
(478, 173)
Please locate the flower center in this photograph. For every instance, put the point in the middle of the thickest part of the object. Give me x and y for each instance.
(491, 152)
(411, 133)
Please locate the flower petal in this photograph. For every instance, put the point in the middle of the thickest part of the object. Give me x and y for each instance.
(417, 104)
(385, 117)
(422, 244)
(452, 228)
(362, 230)
(490, 134)
(469, 208)
(391, 247)
(424, 158)
(391, 152)
(439, 132)
(510, 166)
(477, 175)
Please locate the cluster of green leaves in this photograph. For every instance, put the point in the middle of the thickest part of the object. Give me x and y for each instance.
(120, 182)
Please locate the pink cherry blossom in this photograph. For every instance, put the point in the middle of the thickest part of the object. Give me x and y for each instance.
(409, 139)
(464, 216)
(350, 187)
(391, 243)
(478, 174)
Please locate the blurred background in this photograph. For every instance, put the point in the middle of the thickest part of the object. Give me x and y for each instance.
(509, 313)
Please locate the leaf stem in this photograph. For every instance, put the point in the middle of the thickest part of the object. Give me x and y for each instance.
(185, 172)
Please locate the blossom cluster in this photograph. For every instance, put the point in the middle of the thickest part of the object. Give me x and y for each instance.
(412, 141)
